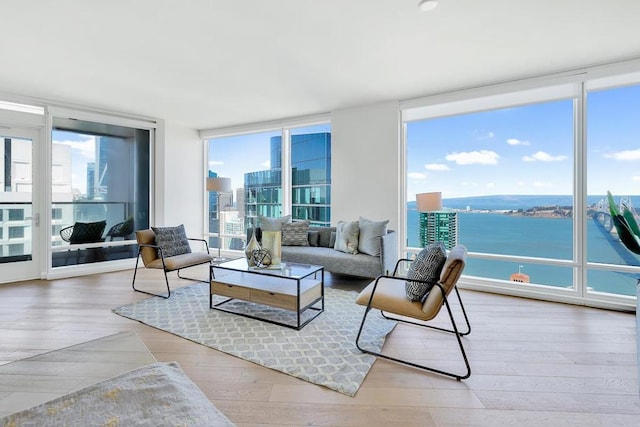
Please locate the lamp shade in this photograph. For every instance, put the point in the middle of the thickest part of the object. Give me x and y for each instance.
(427, 202)
(221, 185)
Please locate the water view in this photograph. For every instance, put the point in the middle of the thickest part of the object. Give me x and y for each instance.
(493, 231)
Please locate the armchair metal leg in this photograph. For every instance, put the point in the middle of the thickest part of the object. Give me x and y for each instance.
(196, 280)
(133, 283)
(455, 331)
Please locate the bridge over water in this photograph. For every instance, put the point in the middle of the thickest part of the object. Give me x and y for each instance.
(602, 218)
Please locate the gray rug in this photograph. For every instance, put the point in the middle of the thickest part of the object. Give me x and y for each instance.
(159, 394)
(323, 352)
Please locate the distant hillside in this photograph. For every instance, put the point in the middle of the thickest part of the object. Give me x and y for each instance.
(500, 202)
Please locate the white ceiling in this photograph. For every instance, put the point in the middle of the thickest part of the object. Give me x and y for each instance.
(215, 63)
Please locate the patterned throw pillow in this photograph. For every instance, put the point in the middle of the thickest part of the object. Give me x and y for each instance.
(347, 237)
(172, 240)
(427, 267)
(295, 233)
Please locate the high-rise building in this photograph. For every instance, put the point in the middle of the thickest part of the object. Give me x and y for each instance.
(439, 226)
(310, 180)
(91, 180)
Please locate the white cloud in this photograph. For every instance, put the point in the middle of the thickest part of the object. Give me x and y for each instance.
(542, 184)
(416, 175)
(469, 184)
(482, 157)
(515, 141)
(635, 178)
(216, 163)
(520, 184)
(541, 156)
(266, 164)
(624, 155)
(436, 167)
(490, 185)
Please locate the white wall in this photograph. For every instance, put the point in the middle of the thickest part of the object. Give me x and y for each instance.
(180, 179)
(365, 159)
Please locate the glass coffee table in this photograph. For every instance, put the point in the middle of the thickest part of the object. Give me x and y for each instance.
(292, 287)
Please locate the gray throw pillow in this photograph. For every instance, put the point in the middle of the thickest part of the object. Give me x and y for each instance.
(370, 233)
(295, 233)
(314, 237)
(427, 267)
(273, 224)
(172, 240)
(347, 237)
(324, 237)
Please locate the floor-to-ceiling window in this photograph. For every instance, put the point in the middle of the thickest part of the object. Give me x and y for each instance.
(273, 173)
(613, 165)
(100, 190)
(526, 174)
(504, 173)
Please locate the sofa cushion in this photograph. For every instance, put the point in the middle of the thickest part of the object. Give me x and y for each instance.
(172, 240)
(272, 224)
(314, 237)
(336, 262)
(295, 233)
(347, 237)
(324, 236)
(370, 233)
(426, 267)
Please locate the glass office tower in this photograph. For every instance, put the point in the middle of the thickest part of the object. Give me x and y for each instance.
(310, 180)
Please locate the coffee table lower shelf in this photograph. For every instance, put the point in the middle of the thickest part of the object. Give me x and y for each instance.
(292, 294)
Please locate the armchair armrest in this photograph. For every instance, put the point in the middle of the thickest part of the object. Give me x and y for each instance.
(206, 245)
(398, 263)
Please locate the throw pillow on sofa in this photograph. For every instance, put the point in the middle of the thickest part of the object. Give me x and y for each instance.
(273, 224)
(172, 240)
(370, 233)
(426, 267)
(347, 237)
(295, 233)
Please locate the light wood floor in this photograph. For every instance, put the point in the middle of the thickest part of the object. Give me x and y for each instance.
(533, 363)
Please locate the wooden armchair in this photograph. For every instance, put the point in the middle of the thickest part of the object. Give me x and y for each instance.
(153, 257)
(387, 294)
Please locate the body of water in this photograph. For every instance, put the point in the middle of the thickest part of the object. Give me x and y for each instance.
(497, 233)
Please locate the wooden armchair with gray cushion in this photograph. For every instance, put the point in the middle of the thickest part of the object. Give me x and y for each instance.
(390, 295)
(168, 249)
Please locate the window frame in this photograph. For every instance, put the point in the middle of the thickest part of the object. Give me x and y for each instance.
(285, 127)
(542, 89)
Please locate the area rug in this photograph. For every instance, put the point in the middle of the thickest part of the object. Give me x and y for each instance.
(323, 352)
(154, 395)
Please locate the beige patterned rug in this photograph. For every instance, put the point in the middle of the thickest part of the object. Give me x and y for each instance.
(323, 352)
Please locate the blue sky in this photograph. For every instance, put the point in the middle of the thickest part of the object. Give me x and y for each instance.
(527, 150)
(83, 150)
(234, 156)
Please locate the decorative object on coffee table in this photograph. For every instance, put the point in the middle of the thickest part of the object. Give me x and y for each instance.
(260, 258)
(272, 241)
(252, 246)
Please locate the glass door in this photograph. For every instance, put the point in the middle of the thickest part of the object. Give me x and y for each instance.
(19, 214)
